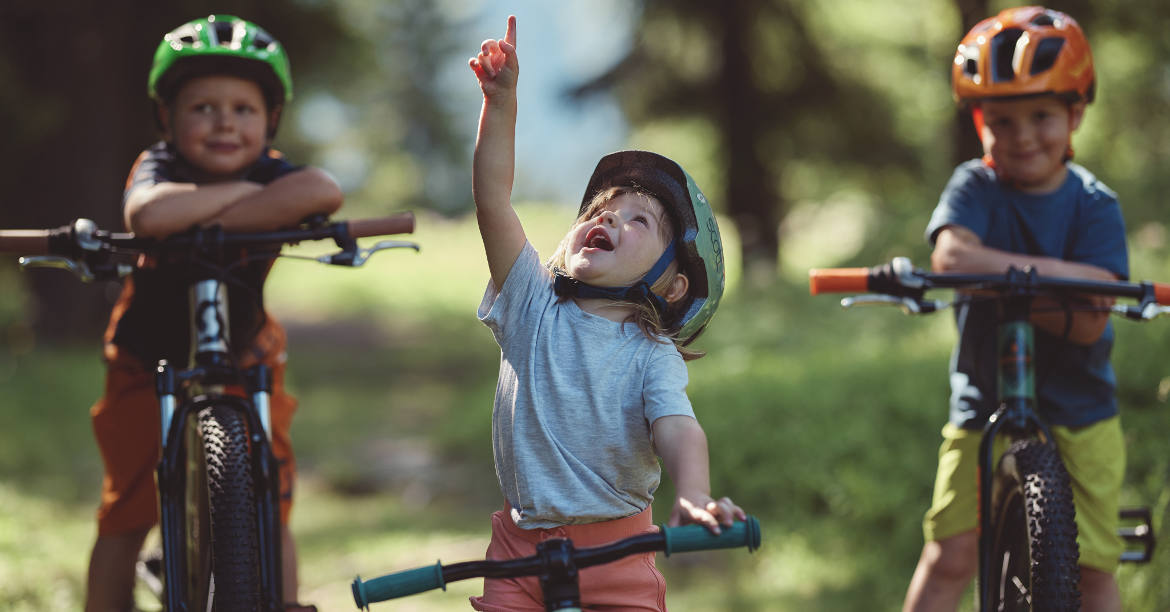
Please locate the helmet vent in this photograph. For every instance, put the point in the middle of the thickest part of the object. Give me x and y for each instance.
(1003, 51)
(1046, 53)
(1043, 19)
(262, 41)
(223, 32)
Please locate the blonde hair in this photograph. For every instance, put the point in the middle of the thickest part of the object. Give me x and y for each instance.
(644, 315)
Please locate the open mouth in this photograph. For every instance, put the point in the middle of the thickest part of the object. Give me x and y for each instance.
(598, 239)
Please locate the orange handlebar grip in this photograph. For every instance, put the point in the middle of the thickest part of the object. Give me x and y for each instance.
(401, 223)
(1162, 293)
(838, 280)
(24, 242)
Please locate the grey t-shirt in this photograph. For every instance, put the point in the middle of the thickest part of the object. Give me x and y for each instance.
(576, 396)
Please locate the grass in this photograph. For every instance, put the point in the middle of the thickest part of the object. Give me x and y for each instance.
(822, 423)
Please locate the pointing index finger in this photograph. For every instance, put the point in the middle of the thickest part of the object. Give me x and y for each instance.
(510, 36)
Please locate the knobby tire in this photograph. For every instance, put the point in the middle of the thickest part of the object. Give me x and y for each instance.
(1034, 557)
(235, 546)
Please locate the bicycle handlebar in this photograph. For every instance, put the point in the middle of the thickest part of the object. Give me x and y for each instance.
(908, 284)
(668, 539)
(402, 223)
(838, 280)
(88, 251)
(52, 241)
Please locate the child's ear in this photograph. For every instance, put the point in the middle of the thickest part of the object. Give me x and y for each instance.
(677, 289)
(1076, 113)
(274, 119)
(162, 117)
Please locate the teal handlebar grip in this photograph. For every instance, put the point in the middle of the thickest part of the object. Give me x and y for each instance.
(698, 537)
(398, 584)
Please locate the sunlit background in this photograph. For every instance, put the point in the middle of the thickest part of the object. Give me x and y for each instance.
(822, 132)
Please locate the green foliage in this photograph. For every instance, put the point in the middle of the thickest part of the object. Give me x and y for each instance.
(824, 423)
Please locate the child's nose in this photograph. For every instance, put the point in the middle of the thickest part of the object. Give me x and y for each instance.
(609, 218)
(224, 120)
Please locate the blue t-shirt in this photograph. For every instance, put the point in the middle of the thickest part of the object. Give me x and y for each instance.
(1079, 222)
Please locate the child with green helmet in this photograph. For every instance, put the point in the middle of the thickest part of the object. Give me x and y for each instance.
(1026, 74)
(592, 386)
(218, 86)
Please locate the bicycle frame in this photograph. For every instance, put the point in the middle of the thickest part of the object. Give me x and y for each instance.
(1016, 416)
(898, 283)
(212, 371)
(208, 387)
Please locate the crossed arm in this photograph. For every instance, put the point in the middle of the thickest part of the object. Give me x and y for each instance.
(167, 208)
(958, 249)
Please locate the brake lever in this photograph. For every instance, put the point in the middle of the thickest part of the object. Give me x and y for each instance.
(80, 269)
(360, 256)
(1146, 312)
(906, 304)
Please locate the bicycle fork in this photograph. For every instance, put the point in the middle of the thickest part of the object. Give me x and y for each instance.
(212, 370)
(1016, 416)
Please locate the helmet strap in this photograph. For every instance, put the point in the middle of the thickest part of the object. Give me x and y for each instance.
(567, 286)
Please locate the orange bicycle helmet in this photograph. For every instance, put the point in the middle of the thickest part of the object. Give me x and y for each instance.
(1024, 51)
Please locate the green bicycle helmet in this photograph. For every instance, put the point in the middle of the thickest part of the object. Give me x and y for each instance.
(221, 44)
(697, 244)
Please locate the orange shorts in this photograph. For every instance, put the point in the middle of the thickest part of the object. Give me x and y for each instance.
(126, 423)
(631, 583)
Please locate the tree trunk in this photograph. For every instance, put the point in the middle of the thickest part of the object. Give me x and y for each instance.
(752, 199)
(967, 145)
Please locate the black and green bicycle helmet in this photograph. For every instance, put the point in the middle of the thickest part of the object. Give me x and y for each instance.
(221, 44)
(697, 244)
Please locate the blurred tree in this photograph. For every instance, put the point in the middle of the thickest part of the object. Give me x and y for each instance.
(967, 143)
(400, 128)
(758, 72)
(75, 113)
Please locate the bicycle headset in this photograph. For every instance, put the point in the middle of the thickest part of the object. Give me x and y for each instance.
(221, 44)
(696, 243)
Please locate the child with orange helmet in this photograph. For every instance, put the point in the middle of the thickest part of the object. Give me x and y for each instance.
(1027, 75)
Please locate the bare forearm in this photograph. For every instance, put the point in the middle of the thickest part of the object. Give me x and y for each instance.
(283, 202)
(169, 208)
(493, 166)
(958, 250)
(682, 444)
(493, 169)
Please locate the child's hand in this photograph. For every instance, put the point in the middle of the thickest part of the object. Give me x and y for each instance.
(706, 511)
(496, 66)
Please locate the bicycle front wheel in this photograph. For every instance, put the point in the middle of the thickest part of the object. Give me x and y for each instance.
(1034, 558)
(235, 546)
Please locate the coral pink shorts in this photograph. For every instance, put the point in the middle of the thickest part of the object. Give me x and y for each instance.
(632, 583)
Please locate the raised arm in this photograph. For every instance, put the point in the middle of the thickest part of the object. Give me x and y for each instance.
(682, 444)
(496, 67)
(958, 249)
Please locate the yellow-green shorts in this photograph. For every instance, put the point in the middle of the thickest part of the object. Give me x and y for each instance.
(1095, 458)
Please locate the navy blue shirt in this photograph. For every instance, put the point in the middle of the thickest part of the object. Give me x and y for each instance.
(1079, 222)
(155, 323)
